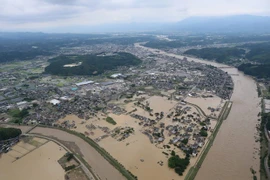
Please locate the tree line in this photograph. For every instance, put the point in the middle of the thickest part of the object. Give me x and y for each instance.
(9, 133)
(178, 164)
(221, 55)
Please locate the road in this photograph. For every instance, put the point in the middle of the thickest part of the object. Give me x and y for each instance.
(99, 165)
(266, 158)
(84, 168)
(234, 151)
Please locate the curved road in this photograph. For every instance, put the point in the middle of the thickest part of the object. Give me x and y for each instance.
(234, 150)
(99, 166)
(84, 168)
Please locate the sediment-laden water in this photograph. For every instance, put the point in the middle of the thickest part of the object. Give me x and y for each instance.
(234, 150)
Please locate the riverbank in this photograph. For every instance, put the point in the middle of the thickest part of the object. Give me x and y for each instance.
(223, 116)
(234, 151)
(97, 162)
(90, 153)
(140, 154)
(32, 159)
(264, 137)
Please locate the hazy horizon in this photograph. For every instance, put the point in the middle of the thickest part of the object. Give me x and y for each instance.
(75, 15)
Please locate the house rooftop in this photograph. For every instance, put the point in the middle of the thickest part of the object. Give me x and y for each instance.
(84, 83)
(54, 101)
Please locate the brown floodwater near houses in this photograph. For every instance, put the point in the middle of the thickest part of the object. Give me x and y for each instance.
(234, 150)
(97, 162)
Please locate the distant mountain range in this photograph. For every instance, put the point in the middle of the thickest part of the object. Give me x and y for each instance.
(221, 24)
(226, 24)
(234, 24)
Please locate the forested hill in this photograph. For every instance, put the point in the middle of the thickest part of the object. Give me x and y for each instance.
(259, 55)
(8, 133)
(221, 55)
(90, 64)
(257, 70)
(259, 52)
(257, 58)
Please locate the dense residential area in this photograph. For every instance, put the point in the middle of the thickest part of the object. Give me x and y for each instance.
(160, 98)
(134, 90)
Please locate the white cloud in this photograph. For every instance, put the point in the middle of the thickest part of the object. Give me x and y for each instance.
(228, 7)
(36, 14)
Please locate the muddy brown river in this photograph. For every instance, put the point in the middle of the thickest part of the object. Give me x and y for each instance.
(234, 150)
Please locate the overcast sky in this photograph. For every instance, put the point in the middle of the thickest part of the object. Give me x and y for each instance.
(39, 14)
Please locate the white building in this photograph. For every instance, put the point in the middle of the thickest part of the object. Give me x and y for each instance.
(22, 105)
(116, 75)
(65, 98)
(84, 83)
(54, 101)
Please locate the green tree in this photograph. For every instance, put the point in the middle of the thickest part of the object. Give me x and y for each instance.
(111, 120)
(203, 133)
(8, 133)
(185, 141)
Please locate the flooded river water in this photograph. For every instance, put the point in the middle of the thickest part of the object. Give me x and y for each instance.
(234, 150)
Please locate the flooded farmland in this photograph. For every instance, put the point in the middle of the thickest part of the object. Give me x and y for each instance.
(100, 165)
(141, 157)
(27, 162)
(234, 150)
(232, 155)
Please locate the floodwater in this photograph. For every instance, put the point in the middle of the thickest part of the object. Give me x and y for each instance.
(140, 156)
(160, 104)
(136, 148)
(204, 103)
(100, 165)
(234, 150)
(40, 164)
